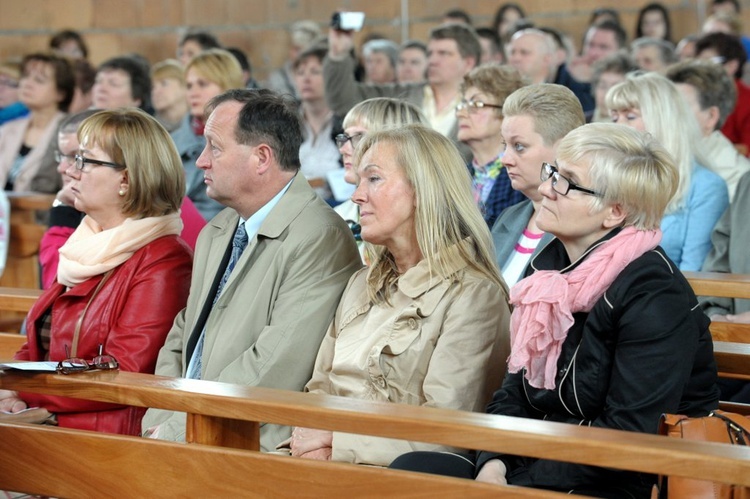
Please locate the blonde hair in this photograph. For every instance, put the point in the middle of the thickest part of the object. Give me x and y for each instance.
(218, 66)
(131, 137)
(554, 108)
(626, 167)
(667, 117)
(382, 112)
(168, 68)
(445, 213)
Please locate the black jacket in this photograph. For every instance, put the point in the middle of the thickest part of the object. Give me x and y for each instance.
(644, 349)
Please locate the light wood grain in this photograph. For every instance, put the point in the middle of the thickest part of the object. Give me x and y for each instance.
(66, 463)
(595, 446)
(719, 284)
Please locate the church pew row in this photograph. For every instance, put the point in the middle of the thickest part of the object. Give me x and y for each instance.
(229, 415)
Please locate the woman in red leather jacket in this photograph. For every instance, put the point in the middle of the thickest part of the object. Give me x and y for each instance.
(123, 274)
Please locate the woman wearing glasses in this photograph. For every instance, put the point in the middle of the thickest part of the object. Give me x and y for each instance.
(605, 330)
(651, 103)
(480, 118)
(123, 274)
(371, 115)
(403, 332)
(536, 118)
(64, 217)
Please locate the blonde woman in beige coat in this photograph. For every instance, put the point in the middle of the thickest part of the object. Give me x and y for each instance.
(427, 322)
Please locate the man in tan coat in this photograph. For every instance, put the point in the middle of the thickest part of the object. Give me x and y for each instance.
(256, 314)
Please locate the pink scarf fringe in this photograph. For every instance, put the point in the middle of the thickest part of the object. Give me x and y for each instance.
(545, 301)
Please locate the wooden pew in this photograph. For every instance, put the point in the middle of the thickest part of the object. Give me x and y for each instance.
(170, 469)
(22, 266)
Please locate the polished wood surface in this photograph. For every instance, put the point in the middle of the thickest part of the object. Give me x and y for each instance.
(596, 446)
(10, 343)
(719, 284)
(18, 299)
(66, 463)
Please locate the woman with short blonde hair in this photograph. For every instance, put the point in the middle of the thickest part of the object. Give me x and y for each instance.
(207, 75)
(605, 331)
(154, 169)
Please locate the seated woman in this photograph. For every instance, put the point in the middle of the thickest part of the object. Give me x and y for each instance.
(536, 118)
(208, 74)
(64, 218)
(27, 162)
(651, 103)
(318, 153)
(480, 119)
(402, 333)
(371, 115)
(623, 340)
(123, 274)
(122, 82)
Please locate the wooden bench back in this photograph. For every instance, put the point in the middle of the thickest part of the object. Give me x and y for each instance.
(213, 402)
(22, 266)
(65, 463)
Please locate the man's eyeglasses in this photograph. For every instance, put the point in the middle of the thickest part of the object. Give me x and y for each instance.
(68, 158)
(343, 138)
(474, 105)
(81, 163)
(74, 365)
(561, 184)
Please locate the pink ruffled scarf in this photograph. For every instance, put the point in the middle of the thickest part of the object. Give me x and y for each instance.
(545, 301)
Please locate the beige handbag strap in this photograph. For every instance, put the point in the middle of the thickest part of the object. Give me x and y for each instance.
(99, 286)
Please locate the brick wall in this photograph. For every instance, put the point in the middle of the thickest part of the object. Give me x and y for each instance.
(152, 27)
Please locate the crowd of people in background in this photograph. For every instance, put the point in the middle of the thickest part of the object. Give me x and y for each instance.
(478, 171)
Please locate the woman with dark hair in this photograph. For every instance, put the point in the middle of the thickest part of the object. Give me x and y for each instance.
(69, 43)
(122, 82)
(194, 43)
(653, 22)
(506, 16)
(27, 163)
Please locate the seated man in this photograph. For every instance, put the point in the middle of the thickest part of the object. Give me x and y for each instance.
(256, 317)
(453, 51)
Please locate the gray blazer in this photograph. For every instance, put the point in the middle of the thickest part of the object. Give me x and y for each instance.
(508, 229)
(730, 238)
(266, 327)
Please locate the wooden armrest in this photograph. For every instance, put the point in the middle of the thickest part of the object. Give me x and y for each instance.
(18, 299)
(719, 284)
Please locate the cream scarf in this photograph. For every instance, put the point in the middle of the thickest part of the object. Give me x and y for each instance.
(91, 251)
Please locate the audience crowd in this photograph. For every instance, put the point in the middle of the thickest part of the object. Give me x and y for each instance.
(522, 208)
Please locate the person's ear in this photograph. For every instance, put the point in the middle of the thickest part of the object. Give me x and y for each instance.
(731, 67)
(124, 184)
(615, 217)
(265, 156)
(714, 115)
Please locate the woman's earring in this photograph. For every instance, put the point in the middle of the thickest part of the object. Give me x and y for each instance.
(122, 192)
